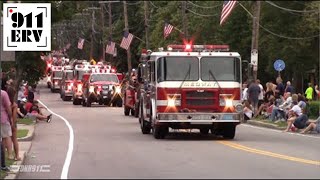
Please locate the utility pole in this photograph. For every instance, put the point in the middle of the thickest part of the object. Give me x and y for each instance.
(91, 46)
(255, 38)
(146, 24)
(103, 41)
(184, 18)
(110, 25)
(126, 28)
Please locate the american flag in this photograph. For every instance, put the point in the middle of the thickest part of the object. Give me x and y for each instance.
(167, 29)
(126, 40)
(226, 10)
(68, 46)
(80, 43)
(110, 47)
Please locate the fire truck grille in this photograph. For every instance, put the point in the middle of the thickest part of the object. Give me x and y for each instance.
(204, 98)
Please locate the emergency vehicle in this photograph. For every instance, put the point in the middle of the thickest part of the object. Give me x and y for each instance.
(56, 77)
(66, 83)
(101, 86)
(77, 89)
(191, 87)
(132, 89)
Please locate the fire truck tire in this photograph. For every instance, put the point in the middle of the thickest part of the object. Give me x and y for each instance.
(88, 102)
(76, 101)
(132, 112)
(66, 98)
(52, 90)
(83, 103)
(119, 103)
(136, 110)
(126, 111)
(204, 131)
(229, 131)
(160, 132)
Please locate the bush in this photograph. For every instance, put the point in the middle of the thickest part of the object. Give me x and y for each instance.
(314, 109)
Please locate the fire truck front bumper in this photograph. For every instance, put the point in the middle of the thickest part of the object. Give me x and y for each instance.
(198, 117)
(78, 95)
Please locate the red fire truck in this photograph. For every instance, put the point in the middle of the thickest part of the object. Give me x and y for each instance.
(191, 87)
(56, 77)
(66, 83)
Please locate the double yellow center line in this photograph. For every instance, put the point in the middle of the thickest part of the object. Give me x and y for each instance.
(267, 153)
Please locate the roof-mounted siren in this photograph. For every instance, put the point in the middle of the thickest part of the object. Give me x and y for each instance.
(186, 48)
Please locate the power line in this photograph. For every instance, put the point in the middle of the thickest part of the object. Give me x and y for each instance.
(275, 34)
(204, 7)
(135, 3)
(203, 15)
(153, 4)
(291, 10)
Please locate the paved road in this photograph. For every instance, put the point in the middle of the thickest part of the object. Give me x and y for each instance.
(108, 144)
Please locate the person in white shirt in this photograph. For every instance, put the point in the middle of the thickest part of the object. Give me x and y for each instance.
(261, 95)
(294, 113)
(244, 92)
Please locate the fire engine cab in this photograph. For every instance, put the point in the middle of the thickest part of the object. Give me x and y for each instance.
(66, 83)
(101, 86)
(77, 90)
(191, 87)
(56, 77)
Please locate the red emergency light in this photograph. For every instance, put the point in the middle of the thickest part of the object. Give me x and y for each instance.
(189, 47)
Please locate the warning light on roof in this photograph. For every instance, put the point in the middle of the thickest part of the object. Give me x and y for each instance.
(188, 47)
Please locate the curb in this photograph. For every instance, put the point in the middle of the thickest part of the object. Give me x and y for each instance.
(262, 124)
(30, 134)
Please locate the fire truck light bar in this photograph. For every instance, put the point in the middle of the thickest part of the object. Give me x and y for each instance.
(199, 47)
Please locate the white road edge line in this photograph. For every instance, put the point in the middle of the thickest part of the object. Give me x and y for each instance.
(267, 129)
(66, 165)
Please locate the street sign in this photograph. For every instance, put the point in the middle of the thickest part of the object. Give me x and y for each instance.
(279, 65)
(5, 55)
(254, 57)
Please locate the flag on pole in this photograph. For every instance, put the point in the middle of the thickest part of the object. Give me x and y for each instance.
(167, 29)
(80, 43)
(126, 40)
(110, 47)
(68, 46)
(115, 52)
(226, 10)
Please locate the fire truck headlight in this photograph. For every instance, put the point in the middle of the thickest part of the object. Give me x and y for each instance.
(229, 102)
(239, 108)
(91, 89)
(118, 89)
(171, 102)
(56, 83)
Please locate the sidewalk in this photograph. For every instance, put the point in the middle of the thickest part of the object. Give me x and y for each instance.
(25, 146)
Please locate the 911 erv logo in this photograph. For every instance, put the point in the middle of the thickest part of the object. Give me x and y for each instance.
(27, 27)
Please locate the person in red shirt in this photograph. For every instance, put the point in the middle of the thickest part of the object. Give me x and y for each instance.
(29, 105)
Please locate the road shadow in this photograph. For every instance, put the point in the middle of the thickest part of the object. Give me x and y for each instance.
(191, 136)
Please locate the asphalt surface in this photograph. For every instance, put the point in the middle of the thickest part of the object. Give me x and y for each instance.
(108, 144)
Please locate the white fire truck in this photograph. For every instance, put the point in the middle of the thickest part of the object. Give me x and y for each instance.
(77, 90)
(191, 87)
(56, 77)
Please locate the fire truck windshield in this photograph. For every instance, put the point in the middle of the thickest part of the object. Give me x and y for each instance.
(79, 74)
(57, 74)
(69, 75)
(104, 77)
(178, 69)
(222, 68)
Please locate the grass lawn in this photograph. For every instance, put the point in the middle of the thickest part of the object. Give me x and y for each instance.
(25, 121)
(279, 124)
(22, 133)
(3, 174)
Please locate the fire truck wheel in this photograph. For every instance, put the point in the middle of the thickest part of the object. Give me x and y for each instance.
(119, 103)
(126, 111)
(132, 112)
(88, 102)
(204, 131)
(160, 132)
(145, 127)
(229, 131)
(52, 90)
(136, 110)
(76, 101)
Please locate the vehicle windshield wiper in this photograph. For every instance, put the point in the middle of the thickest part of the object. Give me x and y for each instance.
(185, 77)
(214, 78)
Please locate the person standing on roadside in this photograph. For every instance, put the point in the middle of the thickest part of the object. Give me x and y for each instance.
(309, 92)
(253, 95)
(14, 107)
(280, 88)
